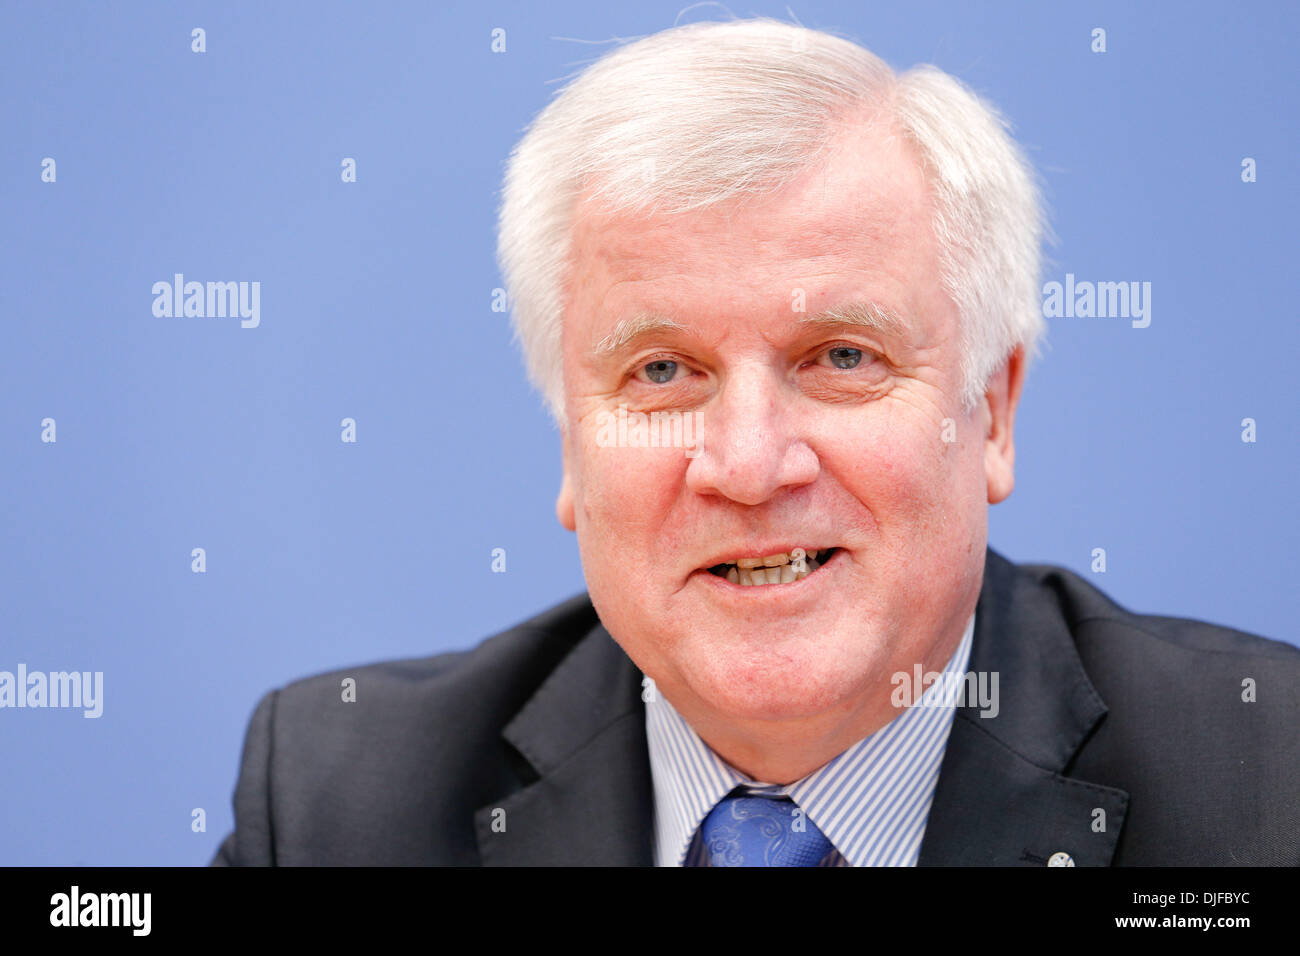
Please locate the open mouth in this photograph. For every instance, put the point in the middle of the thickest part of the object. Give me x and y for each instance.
(785, 568)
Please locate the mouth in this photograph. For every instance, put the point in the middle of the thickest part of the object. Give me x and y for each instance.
(788, 567)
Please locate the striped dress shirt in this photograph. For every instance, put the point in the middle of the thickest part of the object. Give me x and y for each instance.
(871, 802)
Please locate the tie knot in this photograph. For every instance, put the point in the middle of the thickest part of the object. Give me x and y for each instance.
(744, 830)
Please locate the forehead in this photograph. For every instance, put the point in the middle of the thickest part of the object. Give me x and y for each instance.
(859, 222)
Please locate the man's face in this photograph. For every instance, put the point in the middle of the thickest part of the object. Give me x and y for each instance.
(812, 435)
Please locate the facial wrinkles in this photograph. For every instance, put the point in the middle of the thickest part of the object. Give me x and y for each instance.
(917, 359)
(883, 480)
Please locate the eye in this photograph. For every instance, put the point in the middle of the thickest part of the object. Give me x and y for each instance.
(660, 371)
(844, 356)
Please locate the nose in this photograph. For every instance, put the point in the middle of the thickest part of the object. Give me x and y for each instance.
(751, 443)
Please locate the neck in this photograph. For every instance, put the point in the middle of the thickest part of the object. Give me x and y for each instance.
(782, 751)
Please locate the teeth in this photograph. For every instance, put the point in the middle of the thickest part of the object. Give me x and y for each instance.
(776, 560)
(776, 568)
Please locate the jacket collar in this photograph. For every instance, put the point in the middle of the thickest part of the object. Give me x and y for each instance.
(583, 732)
(1001, 798)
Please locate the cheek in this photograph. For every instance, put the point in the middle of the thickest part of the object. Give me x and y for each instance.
(896, 468)
(624, 500)
(916, 486)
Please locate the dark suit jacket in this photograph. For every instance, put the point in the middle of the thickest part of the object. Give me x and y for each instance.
(1137, 716)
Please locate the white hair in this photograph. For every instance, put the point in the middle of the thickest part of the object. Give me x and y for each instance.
(701, 113)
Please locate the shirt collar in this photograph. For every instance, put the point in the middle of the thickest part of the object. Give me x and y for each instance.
(871, 801)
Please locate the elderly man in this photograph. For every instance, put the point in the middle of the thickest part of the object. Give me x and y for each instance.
(781, 302)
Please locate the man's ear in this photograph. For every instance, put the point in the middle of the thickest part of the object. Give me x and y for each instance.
(1000, 402)
(564, 500)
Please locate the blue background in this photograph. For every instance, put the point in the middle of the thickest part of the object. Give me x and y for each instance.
(376, 305)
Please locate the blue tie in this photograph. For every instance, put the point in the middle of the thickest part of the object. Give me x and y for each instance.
(761, 831)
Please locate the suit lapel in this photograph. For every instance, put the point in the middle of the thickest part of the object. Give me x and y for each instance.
(583, 732)
(1002, 798)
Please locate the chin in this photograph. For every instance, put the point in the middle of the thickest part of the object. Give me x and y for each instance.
(776, 686)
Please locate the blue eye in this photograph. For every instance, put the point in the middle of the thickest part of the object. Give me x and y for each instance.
(660, 372)
(845, 357)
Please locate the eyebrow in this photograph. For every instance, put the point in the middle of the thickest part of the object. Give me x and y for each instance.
(635, 327)
(868, 315)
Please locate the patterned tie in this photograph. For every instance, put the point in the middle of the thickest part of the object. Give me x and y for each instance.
(761, 831)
